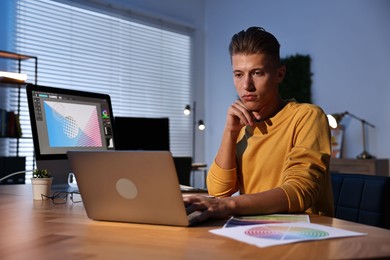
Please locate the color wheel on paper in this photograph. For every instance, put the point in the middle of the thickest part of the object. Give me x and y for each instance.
(285, 232)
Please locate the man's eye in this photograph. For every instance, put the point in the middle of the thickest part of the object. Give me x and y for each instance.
(258, 73)
(238, 75)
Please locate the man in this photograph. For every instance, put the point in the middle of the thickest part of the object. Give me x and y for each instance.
(274, 152)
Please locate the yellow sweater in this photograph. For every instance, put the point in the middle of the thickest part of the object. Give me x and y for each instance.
(290, 150)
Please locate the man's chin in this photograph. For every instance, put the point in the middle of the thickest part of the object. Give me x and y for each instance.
(251, 106)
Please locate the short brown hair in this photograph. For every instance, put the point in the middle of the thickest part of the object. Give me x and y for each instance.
(255, 40)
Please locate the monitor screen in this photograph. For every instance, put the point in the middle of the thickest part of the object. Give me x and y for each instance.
(63, 120)
(138, 133)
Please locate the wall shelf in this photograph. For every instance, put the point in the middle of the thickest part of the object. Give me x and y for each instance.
(7, 83)
(19, 58)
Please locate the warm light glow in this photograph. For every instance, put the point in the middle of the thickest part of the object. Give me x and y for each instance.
(14, 76)
(332, 121)
(187, 110)
(201, 125)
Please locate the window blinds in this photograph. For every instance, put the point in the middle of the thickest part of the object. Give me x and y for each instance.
(145, 67)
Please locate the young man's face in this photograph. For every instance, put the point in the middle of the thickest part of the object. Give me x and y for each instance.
(256, 80)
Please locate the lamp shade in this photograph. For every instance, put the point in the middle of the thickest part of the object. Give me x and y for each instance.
(187, 110)
(201, 125)
(335, 119)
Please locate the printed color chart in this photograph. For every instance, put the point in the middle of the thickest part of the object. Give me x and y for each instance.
(282, 233)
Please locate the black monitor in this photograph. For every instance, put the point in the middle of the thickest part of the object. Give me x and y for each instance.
(63, 120)
(139, 133)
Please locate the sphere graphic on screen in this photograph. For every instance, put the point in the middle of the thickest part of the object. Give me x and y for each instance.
(70, 127)
(58, 110)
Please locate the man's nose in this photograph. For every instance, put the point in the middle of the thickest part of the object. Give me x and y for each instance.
(248, 84)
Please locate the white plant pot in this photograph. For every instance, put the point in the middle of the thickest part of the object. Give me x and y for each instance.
(41, 186)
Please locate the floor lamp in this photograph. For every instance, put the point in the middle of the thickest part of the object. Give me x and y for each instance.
(335, 119)
(201, 126)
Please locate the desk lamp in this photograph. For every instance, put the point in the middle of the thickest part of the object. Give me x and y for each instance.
(334, 120)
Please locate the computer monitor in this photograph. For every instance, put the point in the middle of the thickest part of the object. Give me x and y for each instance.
(139, 133)
(63, 120)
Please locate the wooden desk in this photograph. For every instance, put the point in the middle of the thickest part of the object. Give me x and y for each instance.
(40, 230)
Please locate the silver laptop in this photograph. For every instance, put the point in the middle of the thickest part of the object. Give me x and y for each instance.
(129, 186)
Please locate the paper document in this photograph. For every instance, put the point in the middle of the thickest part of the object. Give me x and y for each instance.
(282, 233)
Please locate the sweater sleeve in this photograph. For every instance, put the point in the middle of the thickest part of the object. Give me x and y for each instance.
(221, 182)
(306, 170)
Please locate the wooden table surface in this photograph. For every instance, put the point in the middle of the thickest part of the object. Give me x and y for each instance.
(41, 230)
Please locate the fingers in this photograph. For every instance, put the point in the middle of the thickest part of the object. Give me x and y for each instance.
(256, 115)
(195, 207)
(238, 110)
(198, 207)
(201, 216)
(196, 203)
(189, 199)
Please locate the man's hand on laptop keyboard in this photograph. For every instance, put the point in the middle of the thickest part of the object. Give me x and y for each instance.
(208, 207)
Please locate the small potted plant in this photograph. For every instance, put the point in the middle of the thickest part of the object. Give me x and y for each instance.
(41, 183)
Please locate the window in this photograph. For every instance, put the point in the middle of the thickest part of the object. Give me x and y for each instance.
(144, 65)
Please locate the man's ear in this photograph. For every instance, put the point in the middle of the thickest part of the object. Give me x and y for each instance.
(281, 73)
